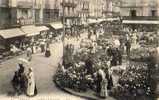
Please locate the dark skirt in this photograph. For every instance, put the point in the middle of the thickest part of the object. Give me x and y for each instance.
(110, 83)
(47, 53)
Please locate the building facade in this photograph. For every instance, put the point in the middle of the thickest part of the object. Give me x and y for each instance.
(20, 12)
(96, 8)
(5, 13)
(26, 12)
(141, 15)
(51, 11)
(83, 9)
(69, 11)
(111, 8)
(133, 8)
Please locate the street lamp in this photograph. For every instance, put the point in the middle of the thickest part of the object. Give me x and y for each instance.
(63, 21)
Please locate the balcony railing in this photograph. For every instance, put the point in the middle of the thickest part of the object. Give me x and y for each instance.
(20, 22)
(25, 21)
(71, 14)
(50, 20)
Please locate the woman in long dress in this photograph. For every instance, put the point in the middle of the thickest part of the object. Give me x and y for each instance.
(103, 84)
(104, 92)
(31, 83)
(29, 53)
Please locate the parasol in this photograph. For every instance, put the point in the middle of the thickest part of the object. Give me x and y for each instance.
(23, 61)
(116, 43)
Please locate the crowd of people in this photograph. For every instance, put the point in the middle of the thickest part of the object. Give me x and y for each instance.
(89, 67)
(92, 65)
(80, 72)
(43, 48)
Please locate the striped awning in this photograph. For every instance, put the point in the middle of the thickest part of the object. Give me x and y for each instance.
(11, 33)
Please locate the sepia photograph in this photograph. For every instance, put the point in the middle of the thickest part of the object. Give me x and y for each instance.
(79, 49)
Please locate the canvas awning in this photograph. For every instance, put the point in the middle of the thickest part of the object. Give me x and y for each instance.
(42, 28)
(112, 19)
(57, 25)
(84, 23)
(101, 20)
(11, 33)
(140, 22)
(30, 30)
(92, 21)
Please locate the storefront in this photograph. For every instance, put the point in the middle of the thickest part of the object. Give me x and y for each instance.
(33, 33)
(10, 37)
(44, 32)
(142, 25)
(56, 28)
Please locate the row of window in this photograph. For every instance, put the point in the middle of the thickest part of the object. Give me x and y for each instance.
(133, 13)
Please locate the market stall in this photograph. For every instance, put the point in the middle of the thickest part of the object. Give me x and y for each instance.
(10, 37)
(56, 29)
(33, 36)
(44, 31)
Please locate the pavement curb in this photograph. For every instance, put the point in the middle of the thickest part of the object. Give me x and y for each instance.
(73, 93)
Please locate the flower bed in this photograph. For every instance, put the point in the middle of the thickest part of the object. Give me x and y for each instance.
(79, 72)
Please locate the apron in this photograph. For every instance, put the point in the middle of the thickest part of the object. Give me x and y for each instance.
(31, 84)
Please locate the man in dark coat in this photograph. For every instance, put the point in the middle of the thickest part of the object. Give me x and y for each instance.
(110, 82)
(114, 57)
(98, 82)
(22, 78)
(23, 82)
(89, 66)
(119, 57)
(128, 47)
(16, 83)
